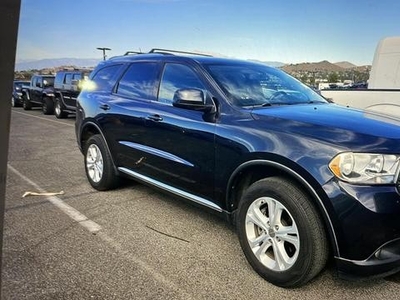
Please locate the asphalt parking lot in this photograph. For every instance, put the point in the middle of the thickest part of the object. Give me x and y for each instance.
(130, 243)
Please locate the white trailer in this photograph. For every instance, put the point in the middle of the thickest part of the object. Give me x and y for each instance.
(383, 93)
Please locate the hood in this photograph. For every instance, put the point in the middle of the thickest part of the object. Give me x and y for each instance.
(349, 128)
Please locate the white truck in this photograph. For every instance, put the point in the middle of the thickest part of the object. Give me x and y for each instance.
(383, 92)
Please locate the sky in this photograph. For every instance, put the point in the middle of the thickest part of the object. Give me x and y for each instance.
(288, 31)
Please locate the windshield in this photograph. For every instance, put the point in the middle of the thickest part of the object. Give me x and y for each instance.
(258, 85)
(48, 81)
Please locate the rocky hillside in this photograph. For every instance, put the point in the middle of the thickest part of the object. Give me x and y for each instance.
(324, 66)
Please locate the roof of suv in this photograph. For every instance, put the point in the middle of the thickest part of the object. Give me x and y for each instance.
(201, 58)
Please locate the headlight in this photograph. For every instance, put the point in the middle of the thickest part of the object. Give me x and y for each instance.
(365, 168)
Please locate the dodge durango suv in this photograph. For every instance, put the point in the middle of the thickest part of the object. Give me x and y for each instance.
(303, 180)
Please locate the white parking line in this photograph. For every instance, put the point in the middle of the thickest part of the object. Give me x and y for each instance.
(118, 248)
(46, 119)
(71, 212)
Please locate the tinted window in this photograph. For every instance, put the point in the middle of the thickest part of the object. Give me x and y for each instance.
(68, 78)
(48, 81)
(105, 77)
(76, 76)
(59, 79)
(176, 77)
(138, 81)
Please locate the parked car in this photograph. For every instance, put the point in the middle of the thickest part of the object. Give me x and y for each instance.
(303, 180)
(40, 92)
(16, 98)
(67, 86)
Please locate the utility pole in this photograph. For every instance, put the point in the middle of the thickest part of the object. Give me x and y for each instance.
(104, 49)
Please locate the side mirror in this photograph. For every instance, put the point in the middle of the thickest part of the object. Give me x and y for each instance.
(38, 84)
(192, 99)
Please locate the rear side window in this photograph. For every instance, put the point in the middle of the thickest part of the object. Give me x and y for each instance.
(138, 81)
(177, 76)
(68, 78)
(105, 78)
(59, 79)
(76, 76)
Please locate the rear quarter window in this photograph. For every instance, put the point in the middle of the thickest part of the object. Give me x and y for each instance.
(106, 77)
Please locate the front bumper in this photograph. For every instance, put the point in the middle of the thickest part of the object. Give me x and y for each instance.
(366, 220)
(18, 98)
(383, 262)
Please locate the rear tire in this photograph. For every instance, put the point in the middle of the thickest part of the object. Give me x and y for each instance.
(26, 104)
(47, 106)
(99, 166)
(281, 233)
(58, 110)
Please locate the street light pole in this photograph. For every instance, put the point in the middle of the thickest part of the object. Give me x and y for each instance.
(104, 49)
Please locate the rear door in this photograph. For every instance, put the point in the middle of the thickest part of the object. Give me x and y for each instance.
(123, 114)
(66, 90)
(37, 88)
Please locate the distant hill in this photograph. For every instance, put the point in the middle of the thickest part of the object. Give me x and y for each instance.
(54, 63)
(345, 65)
(312, 67)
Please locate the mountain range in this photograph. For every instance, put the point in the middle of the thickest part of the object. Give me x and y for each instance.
(23, 65)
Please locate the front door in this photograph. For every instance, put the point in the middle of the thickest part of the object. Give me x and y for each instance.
(180, 141)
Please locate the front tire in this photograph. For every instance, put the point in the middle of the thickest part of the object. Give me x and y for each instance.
(58, 110)
(99, 166)
(26, 104)
(281, 233)
(47, 106)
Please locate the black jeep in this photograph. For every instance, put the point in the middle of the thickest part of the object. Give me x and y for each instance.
(67, 86)
(40, 92)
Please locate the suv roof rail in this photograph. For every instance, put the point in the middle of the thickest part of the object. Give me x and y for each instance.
(171, 52)
(132, 52)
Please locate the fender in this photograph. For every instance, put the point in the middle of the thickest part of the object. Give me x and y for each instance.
(304, 183)
(26, 93)
(48, 93)
(91, 123)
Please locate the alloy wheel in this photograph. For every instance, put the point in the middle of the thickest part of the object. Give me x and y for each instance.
(94, 163)
(272, 234)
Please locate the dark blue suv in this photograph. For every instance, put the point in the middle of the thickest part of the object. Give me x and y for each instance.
(303, 180)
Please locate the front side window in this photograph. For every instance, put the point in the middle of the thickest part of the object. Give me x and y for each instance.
(177, 76)
(138, 81)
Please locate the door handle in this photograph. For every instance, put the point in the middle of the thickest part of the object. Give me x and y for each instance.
(156, 118)
(104, 106)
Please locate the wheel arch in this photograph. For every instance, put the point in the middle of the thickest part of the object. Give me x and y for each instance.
(254, 170)
(58, 95)
(26, 94)
(89, 129)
